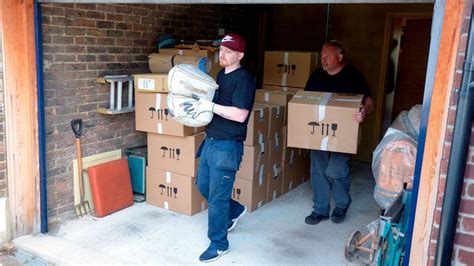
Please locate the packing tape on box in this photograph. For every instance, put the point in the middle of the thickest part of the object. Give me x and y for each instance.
(157, 101)
(266, 96)
(284, 77)
(203, 205)
(324, 143)
(291, 185)
(159, 128)
(276, 170)
(166, 205)
(168, 177)
(322, 105)
(262, 113)
(278, 107)
(277, 140)
(260, 203)
(260, 137)
(260, 175)
(284, 88)
(261, 155)
(292, 155)
(216, 57)
(274, 195)
(180, 52)
(195, 130)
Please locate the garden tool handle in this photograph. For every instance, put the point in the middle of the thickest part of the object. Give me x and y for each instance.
(79, 168)
(76, 126)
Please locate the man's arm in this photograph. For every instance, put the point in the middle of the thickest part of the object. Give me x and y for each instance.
(195, 106)
(231, 112)
(367, 107)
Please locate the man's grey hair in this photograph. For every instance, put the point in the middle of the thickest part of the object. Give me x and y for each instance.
(336, 44)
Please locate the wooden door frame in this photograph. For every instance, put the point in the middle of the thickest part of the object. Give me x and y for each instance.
(21, 122)
(429, 179)
(380, 107)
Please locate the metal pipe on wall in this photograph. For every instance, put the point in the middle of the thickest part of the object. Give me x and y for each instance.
(457, 158)
(41, 120)
(327, 23)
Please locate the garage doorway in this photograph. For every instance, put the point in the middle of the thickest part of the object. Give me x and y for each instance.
(406, 52)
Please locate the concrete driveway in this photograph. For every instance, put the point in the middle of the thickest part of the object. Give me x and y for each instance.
(273, 234)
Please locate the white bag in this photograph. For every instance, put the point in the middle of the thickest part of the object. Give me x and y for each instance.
(177, 112)
(184, 81)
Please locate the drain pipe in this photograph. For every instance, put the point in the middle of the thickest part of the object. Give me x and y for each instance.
(41, 123)
(458, 157)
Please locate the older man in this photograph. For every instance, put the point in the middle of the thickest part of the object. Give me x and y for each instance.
(330, 170)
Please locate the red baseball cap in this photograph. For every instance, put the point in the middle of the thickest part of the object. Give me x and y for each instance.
(234, 42)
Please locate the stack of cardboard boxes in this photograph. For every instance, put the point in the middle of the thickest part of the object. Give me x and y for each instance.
(172, 166)
(170, 174)
(285, 73)
(250, 187)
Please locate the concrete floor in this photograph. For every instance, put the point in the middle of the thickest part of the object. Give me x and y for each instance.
(273, 234)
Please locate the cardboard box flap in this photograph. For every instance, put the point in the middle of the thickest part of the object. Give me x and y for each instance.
(343, 100)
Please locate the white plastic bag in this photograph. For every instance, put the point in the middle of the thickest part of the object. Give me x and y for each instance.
(185, 80)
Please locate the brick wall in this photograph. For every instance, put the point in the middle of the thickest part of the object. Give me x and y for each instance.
(3, 162)
(84, 41)
(463, 252)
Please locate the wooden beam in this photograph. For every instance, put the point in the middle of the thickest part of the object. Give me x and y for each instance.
(437, 122)
(21, 125)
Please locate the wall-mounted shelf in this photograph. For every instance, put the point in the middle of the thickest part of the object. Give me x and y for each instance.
(105, 111)
(117, 83)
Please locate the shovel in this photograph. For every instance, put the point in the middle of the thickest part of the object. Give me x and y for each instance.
(83, 207)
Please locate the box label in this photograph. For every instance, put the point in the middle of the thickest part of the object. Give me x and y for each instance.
(146, 84)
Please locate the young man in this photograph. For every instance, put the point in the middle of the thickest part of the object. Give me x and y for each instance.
(222, 150)
(330, 170)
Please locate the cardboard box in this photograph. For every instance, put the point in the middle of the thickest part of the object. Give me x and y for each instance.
(293, 90)
(291, 69)
(288, 154)
(323, 121)
(152, 115)
(276, 98)
(251, 193)
(275, 120)
(257, 128)
(291, 177)
(151, 82)
(275, 149)
(163, 63)
(275, 182)
(173, 192)
(212, 56)
(174, 154)
(254, 163)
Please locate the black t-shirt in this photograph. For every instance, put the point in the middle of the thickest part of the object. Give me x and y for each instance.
(348, 80)
(237, 89)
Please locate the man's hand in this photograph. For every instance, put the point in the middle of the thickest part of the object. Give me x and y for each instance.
(359, 116)
(196, 106)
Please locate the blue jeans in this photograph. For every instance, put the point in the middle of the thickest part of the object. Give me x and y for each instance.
(330, 173)
(218, 164)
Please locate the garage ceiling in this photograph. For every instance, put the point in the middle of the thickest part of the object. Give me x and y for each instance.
(240, 1)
